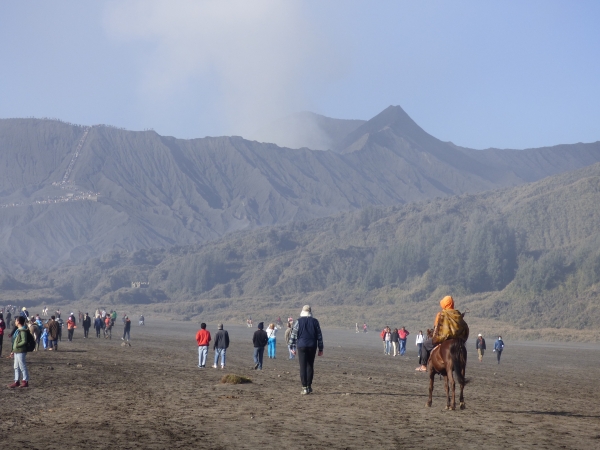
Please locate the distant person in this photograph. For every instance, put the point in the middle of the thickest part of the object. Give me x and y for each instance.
(203, 339)
(272, 340)
(2, 328)
(19, 352)
(45, 338)
(8, 318)
(419, 344)
(395, 341)
(60, 327)
(53, 330)
(259, 340)
(288, 332)
(364, 327)
(305, 339)
(24, 313)
(480, 346)
(108, 324)
(127, 330)
(499, 347)
(71, 327)
(87, 324)
(220, 346)
(402, 335)
(35, 332)
(382, 336)
(357, 327)
(98, 325)
(141, 320)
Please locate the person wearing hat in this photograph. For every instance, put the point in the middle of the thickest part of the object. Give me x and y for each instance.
(499, 347)
(220, 346)
(259, 340)
(480, 346)
(304, 341)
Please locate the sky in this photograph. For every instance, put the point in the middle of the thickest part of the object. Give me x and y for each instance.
(508, 74)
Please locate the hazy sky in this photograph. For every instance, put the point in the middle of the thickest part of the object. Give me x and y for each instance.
(510, 74)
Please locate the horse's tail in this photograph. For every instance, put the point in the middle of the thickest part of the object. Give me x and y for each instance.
(459, 360)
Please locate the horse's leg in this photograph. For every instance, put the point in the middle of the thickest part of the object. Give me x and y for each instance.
(452, 383)
(462, 386)
(431, 375)
(446, 388)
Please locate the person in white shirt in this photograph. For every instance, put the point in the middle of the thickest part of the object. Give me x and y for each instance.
(271, 335)
(419, 343)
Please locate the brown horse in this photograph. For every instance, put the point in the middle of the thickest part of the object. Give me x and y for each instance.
(449, 359)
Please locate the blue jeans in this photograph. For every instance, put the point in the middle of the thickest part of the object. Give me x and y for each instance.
(21, 366)
(202, 352)
(126, 336)
(402, 346)
(258, 356)
(221, 352)
(388, 347)
(271, 343)
(292, 356)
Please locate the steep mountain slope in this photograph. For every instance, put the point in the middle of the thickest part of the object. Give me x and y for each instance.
(69, 192)
(529, 256)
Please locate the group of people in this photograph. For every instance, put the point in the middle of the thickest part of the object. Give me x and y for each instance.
(394, 341)
(28, 332)
(303, 338)
(481, 347)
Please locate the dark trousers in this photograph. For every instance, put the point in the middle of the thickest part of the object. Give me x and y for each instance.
(420, 351)
(498, 354)
(86, 332)
(258, 356)
(427, 347)
(70, 334)
(97, 332)
(1, 339)
(306, 357)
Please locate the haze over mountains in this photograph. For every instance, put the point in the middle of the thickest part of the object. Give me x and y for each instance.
(71, 192)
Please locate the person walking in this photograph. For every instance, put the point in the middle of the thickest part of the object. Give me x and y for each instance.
(305, 339)
(259, 340)
(220, 346)
(108, 324)
(382, 336)
(419, 344)
(127, 330)
(480, 346)
(19, 352)
(499, 347)
(272, 340)
(87, 323)
(53, 331)
(71, 327)
(2, 328)
(288, 332)
(395, 341)
(402, 335)
(98, 325)
(203, 339)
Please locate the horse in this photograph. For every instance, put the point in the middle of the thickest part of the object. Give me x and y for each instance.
(449, 359)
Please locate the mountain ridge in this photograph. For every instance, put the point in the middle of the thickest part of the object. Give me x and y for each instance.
(71, 192)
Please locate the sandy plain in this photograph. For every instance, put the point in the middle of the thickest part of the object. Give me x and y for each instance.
(95, 393)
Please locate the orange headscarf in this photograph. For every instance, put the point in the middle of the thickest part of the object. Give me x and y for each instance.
(446, 303)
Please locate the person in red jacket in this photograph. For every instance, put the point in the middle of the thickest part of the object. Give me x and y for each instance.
(402, 335)
(203, 339)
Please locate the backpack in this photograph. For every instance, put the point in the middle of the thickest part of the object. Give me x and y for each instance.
(31, 344)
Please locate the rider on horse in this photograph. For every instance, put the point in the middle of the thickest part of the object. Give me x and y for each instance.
(449, 324)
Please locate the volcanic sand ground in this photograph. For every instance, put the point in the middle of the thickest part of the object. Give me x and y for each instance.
(95, 393)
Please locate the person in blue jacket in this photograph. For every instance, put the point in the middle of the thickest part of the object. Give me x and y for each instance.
(498, 347)
(304, 340)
